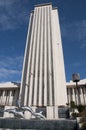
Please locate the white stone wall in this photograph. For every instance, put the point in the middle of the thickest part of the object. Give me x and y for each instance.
(77, 93)
(43, 76)
(46, 76)
(58, 68)
(8, 97)
(7, 114)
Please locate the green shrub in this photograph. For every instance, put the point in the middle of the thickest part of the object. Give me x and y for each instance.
(80, 108)
(74, 114)
(84, 126)
(83, 119)
(72, 106)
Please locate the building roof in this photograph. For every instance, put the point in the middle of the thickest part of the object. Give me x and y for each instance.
(9, 85)
(81, 82)
(45, 4)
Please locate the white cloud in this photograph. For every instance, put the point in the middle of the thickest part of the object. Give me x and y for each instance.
(4, 73)
(10, 67)
(13, 14)
(8, 62)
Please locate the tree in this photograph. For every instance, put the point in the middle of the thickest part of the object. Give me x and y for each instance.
(72, 106)
(81, 108)
(83, 119)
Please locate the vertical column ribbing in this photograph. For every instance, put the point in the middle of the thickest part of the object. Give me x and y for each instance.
(47, 56)
(84, 95)
(24, 71)
(41, 63)
(43, 57)
(43, 70)
(31, 55)
(39, 58)
(73, 94)
(32, 62)
(81, 95)
(52, 59)
(45, 61)
(29, 59)
(69, 94)
(49, 64)
(36, 87)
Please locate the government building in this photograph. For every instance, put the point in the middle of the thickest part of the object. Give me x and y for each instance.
(43, 77)
(43, 84)
(9, 93)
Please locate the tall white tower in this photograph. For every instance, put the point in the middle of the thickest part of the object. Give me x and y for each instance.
(43, 82)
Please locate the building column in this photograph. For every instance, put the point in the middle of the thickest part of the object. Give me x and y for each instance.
(45, 59)
(26, 95)
(49, 62)
(49, 110)
(73, 94)
(52, 112)
(11, 97)
(32, 61)
(8, 94)
(76, 96)
(82, 96)
(7, 114)
(27, 56)
(69, 95)
(55, 110)
(36, 67)
(41, 63)
(3, 98)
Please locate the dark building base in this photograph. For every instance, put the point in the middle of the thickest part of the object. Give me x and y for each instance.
(38, 124)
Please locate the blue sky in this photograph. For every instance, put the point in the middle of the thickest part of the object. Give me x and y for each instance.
(14, 19)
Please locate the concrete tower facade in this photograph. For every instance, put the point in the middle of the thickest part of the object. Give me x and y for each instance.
(43, 77)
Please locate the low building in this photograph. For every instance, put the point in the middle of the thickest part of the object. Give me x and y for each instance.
(9, 93)
(76, 93)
